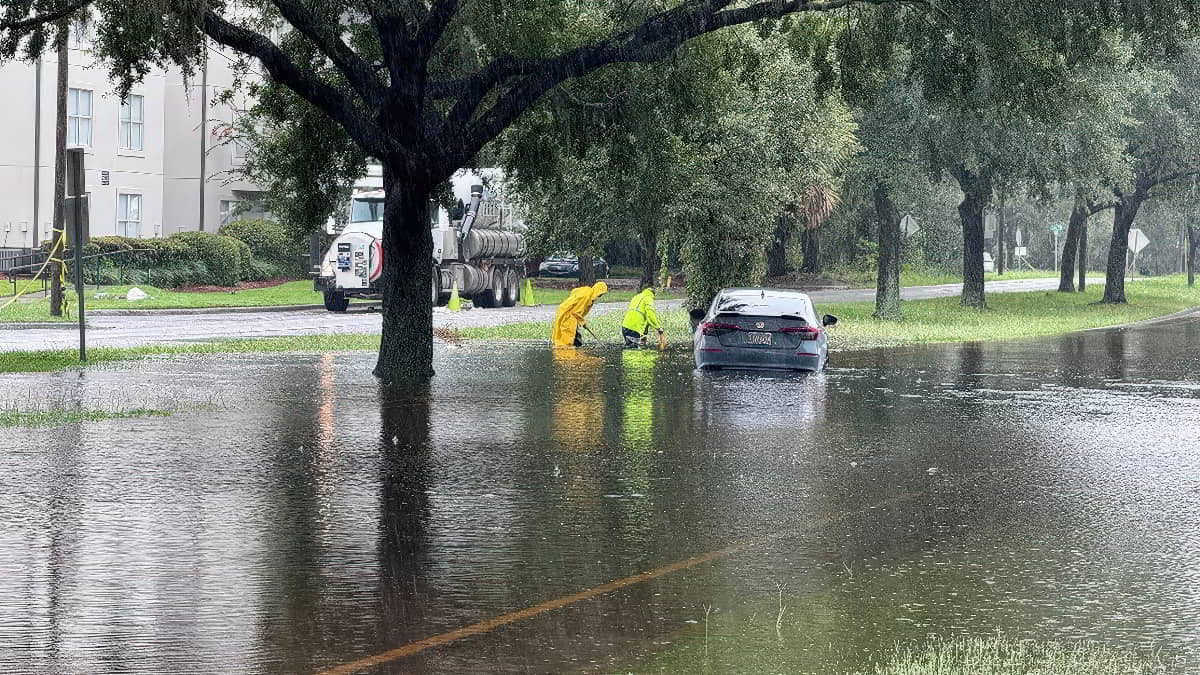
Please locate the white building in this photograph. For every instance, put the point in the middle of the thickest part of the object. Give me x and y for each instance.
(145, 157)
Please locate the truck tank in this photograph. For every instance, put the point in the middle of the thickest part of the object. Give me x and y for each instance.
(492, 244)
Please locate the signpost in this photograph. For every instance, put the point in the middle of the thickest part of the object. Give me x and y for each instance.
(76, 212)
(1056, 229)
(1137, 241)
(908, 225)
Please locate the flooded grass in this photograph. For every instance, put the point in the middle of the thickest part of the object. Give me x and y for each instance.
(15, 417)
(58, 359)
(1000, 656)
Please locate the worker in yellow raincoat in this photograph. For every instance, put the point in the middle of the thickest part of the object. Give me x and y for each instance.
(640, 318)
(571, 314)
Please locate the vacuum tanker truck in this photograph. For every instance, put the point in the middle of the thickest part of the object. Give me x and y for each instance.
(473, 253)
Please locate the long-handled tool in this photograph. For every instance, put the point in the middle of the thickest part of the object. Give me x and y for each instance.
(589, 330)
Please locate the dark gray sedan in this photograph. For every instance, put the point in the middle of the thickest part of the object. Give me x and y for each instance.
(760, 328)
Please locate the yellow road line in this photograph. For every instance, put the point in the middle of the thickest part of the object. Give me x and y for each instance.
(419, 646)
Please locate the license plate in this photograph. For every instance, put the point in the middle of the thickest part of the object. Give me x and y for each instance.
(758, 338)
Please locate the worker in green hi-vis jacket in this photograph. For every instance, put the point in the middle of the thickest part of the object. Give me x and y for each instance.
(640, 318)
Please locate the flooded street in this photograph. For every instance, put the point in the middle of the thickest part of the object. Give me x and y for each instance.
(290, 517)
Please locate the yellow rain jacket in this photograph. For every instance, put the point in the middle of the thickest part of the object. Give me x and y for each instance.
(641, 316)
(571, 313)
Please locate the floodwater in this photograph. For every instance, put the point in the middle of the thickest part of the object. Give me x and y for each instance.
(290, 517)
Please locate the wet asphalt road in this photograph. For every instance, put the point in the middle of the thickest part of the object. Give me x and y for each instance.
(114, 330)
(292, 517)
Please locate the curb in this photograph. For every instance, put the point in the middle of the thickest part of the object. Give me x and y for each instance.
(1183, 314)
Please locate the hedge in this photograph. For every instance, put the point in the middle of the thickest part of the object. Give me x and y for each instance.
(273, 252)
(245, 250)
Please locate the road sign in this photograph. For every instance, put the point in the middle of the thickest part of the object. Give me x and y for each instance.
(1017, 235)
(1057, 228)
(1137, 240)
(989, 225)
(908, 225)
(1020, 251)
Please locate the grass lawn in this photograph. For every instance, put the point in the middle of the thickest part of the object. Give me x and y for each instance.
(290, 293)
(1009, 315)
(553, 296)
(913, 277)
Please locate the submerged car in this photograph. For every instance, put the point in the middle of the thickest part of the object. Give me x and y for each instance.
(567, 265)
(760, 328)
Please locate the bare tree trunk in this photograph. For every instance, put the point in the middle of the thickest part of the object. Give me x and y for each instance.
(587, 273)
(1193, 246)
(887, 287)
(60, 166)
(777, 262)
(648, 243)
(406, 346)
(1123, 214)
(977, 192)
(1000, 243)
(1083, 255)
(1066, 272)
(812, 251)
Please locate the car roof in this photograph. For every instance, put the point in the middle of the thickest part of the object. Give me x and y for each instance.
(773, 292)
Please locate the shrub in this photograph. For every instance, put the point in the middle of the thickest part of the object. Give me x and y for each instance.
(225, 260)
(273, 252)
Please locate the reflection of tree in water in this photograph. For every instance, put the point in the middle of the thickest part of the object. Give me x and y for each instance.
(405, 479)
(1114, 350)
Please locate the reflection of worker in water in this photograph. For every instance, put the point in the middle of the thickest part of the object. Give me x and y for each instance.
(572, 313)
(640, 318)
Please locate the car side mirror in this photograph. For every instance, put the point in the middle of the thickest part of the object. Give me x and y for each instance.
(828, 320)
(696, 316)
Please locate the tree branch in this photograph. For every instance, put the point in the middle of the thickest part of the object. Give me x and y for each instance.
(653, 40)
(306, 85)
(45, 17)
(434, 25)
(360, 75)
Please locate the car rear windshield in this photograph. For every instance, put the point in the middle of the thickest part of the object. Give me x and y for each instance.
(765, 305)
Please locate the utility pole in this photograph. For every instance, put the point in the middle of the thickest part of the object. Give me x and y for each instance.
(60, 166)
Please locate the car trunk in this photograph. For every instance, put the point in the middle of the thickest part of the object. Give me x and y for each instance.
(762, 332)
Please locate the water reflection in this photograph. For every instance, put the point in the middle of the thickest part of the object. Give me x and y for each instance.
(1046, 489)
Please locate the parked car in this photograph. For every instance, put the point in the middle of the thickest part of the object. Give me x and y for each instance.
(567, 265)
(760, 328)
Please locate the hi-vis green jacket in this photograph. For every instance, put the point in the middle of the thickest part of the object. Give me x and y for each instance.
(641, 316)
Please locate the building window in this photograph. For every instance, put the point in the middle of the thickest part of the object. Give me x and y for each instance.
(132, 123)
(229, 210)
(79, 117)
(129, 215)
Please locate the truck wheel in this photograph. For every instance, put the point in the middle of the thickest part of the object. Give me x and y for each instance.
(336, 301)
(436, 288)
(512, 288)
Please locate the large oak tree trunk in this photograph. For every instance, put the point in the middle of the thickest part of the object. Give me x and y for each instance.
(406, 346)
(1123, 214)
(977, 192)
(777, 262)
(812, 251)
(887, 288)
(1066, 272)
(648, 243)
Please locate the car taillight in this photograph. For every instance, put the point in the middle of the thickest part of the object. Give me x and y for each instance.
(711, 328)
(803, 332)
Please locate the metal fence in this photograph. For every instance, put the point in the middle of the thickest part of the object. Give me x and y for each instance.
(12, 257)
